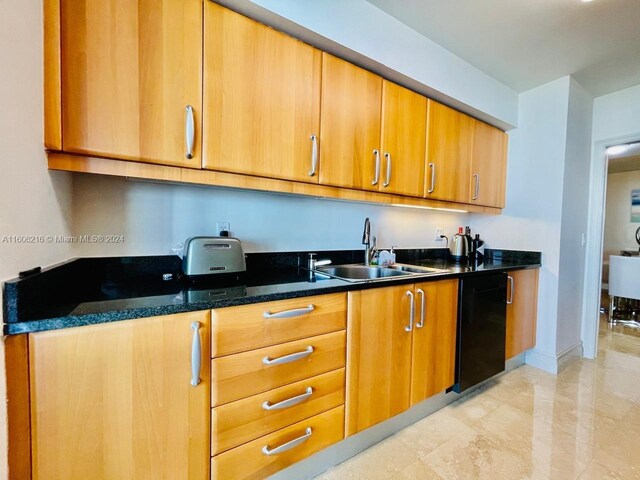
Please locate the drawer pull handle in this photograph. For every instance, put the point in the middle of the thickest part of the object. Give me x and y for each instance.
(289, 445)
(290, 402)
(296, 312)
(195, 354)
(288, 358)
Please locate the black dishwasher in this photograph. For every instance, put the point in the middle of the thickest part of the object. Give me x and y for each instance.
(482, 320)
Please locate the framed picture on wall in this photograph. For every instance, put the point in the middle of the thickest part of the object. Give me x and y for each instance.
(635, 205)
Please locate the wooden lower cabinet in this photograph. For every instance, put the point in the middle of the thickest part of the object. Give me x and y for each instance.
(522, 312)
(266, 455)
(394, 360)
(433, 355)
(115, 400)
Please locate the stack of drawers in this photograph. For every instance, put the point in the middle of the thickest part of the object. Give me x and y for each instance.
(278, 384)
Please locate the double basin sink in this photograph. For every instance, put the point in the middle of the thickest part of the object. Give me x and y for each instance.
(364, 273)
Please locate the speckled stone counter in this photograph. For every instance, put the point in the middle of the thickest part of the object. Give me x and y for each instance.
(87, 291)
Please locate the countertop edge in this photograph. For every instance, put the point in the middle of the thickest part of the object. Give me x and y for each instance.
(71, 321)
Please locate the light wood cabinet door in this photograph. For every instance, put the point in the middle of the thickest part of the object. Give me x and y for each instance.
(349, 125)
(404, 123)
(115, 400)
(261, 99)
(378, 356)
(449, 147)
(488, 166)
(129, 69)
(522, 313)
(434, 339)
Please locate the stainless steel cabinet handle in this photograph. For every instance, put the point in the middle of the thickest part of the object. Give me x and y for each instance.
(423, 306)
(314, 155)
(296, 312)
(432, 166)
(190, 132)
(477, 188)
(288, 358)
(412, 311)
(195, 354)
(290, 402)
(376, 176)
(289, 445)
(513, 286)
(388, 180)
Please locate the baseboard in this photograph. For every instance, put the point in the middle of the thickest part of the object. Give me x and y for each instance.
(351, 446)
(554, 363)
(570, 355)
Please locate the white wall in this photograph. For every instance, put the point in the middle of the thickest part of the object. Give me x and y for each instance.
(619, 232)
(32, 200)
(365, 29)
(617, 114)
(154, 217)
(535, 180)
(574, 218)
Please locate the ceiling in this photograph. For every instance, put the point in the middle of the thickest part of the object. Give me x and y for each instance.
(526, 43)
(627, 161)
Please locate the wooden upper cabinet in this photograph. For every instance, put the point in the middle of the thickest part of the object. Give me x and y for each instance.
(129, 69)
(488, 166)
(434, 339)
(261, 99)
(404, 122)
(522, 312)
(449, 146)
(378, 356)
(350, 125)
(115, 400)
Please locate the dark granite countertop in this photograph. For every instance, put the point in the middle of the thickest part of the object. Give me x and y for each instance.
(87, 291)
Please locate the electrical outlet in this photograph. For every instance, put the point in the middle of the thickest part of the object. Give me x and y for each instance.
(222, 227)
(439, 231)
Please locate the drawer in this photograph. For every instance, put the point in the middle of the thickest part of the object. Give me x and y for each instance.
(238, 329)
(250, 461)
(245, 374)
(244, 420)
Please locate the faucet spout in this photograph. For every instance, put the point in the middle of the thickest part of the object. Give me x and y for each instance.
(366, 241)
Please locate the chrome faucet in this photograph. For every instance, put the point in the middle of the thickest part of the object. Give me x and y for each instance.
(367, 241)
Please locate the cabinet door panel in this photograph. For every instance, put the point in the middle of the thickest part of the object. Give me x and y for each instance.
(404, 123)
(522, 313)
(129, 69)
(262, 98)
(449, 144)
(378, 355)
(350, 124)
(488, 166)
(434, 343)
(115, 400)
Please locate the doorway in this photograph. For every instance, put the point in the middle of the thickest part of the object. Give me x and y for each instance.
(613, 221)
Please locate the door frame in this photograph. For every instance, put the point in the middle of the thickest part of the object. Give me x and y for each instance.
(595, 240)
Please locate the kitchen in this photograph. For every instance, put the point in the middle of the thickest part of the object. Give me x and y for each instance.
(152, 218)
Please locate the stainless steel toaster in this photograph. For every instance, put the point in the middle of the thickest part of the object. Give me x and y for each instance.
(212, 255)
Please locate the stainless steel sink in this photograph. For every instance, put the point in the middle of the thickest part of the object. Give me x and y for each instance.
(354, 273)
(415, 269)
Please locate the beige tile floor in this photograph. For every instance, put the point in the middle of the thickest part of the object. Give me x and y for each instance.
(582, 424)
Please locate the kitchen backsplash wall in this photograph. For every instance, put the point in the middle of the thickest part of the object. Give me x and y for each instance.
(154, 217)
